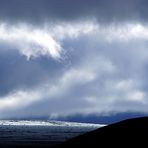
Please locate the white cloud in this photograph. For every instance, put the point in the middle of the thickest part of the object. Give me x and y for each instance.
(30, 42)
(74, 30)
(112, 32)
(123, 32)
(18, 99)
(48, 40)
(124, 85)
(138, 96)
(126, 90)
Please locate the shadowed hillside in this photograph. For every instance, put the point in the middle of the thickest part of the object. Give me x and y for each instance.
(125, 133)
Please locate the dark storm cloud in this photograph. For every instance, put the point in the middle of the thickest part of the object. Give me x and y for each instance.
(49, 10)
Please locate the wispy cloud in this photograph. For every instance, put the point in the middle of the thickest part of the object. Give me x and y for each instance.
(30, 42)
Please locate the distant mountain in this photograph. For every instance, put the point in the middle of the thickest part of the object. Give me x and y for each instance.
(123, 134)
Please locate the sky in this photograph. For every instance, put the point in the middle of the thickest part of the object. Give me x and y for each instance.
(67, 57)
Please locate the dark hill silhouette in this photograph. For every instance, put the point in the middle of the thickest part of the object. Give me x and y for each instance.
(123, 134)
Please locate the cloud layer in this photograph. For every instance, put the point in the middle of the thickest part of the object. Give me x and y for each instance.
(69, 57)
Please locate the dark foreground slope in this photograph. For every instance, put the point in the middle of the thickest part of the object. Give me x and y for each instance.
(123, 134)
